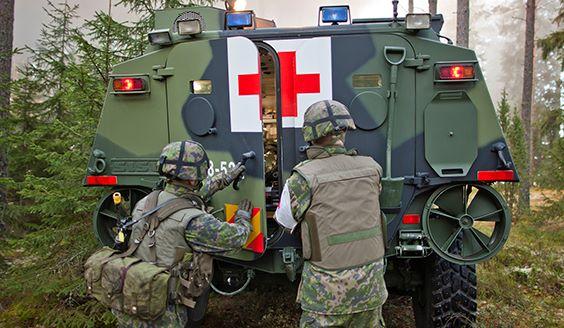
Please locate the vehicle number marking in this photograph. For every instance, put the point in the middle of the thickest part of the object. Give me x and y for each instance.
(224, 166)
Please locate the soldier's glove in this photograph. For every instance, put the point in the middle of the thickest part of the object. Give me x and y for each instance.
(235, 172)
(244, 211)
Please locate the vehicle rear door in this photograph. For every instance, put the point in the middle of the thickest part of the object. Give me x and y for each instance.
(356, 70)
(213, 94)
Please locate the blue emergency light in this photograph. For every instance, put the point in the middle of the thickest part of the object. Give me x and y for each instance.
(239, 19)
(334, 14)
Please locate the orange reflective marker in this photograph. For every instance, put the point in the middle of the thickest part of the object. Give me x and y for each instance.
(255, 242)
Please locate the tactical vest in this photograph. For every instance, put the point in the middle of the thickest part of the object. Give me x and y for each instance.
(165, 235)
(342, 227)
(159, 267)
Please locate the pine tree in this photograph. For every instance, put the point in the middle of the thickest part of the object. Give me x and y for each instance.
(517, 142)
(57, 101)
(527, 100)
(513, 131)
(6, 39)
(462, 23)
(553, 44)
(433, 7)
(503, 112)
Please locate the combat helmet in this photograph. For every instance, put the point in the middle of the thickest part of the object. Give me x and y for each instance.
(184, 160)
(324, 118)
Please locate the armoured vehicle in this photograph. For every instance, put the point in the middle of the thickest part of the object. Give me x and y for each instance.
(237, 84)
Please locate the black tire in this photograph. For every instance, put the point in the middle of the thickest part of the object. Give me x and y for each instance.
(447, 297)
(196, 315)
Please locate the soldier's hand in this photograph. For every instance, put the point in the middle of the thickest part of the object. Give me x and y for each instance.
(235, 172)
(245, 208)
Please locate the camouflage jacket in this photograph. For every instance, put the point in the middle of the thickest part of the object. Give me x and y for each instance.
(206, 233)
(334, 292)
(217, 182)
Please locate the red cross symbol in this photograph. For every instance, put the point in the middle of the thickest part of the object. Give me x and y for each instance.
(249, 85)
(293, 84)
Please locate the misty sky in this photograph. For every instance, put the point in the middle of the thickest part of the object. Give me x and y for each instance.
(29, 16)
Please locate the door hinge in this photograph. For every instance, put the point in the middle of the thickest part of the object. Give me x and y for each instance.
(418, 62)
(162, 72)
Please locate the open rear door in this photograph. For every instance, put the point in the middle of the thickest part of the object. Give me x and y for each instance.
(213, 93)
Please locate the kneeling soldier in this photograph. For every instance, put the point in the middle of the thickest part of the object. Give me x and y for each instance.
(333, 195)
(157, 281)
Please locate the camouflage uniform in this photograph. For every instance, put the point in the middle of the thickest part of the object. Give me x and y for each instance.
(218, 182)
(204, 233)
(329, 298)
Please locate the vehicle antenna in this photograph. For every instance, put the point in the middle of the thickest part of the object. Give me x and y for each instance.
(395, 4)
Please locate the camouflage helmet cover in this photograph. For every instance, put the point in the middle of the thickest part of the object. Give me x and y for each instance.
(184, 160)
(324, 118)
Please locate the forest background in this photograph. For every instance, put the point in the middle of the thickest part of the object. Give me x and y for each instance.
(49, 119)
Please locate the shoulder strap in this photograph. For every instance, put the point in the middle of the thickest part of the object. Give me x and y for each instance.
(152, 201)
(152, 221)
(174, 206)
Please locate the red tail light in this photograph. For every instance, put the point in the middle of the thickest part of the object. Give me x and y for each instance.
(457, 72)
(505, 175)
(129, 84)
(411, 219)
(101, 180)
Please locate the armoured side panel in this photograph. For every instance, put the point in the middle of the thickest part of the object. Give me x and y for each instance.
(128, 119)
(475, 97)
(225, 118)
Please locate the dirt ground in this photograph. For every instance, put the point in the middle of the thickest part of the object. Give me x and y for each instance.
(275, 307)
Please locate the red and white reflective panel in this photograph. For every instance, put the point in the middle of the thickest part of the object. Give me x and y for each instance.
(244, 85)
(499, 175)
(101, 180)
(128, 84)
(305, 76)
(456, 72)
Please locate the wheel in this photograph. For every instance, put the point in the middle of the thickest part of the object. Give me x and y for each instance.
(447, 297)
(106, 215)
(475, 215)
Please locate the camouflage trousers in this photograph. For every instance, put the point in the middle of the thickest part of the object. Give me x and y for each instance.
(366, 319)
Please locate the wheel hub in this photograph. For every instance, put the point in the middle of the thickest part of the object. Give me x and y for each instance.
(466, 221)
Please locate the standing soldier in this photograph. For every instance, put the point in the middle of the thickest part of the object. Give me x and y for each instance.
(333, 195)
(174, 232)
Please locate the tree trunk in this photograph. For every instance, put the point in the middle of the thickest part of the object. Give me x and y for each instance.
(526, 102)
(433, 7)
(6, 39)
(462, 22)
(410, 6)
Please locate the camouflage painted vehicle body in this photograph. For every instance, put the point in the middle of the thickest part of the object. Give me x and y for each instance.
(443, 147)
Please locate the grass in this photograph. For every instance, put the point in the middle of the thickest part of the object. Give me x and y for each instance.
(522, 285)
(41, 283)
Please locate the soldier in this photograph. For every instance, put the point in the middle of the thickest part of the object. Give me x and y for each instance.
(333, 196)
(185, 165)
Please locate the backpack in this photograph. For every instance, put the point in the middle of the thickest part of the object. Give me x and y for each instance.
(143, 289)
